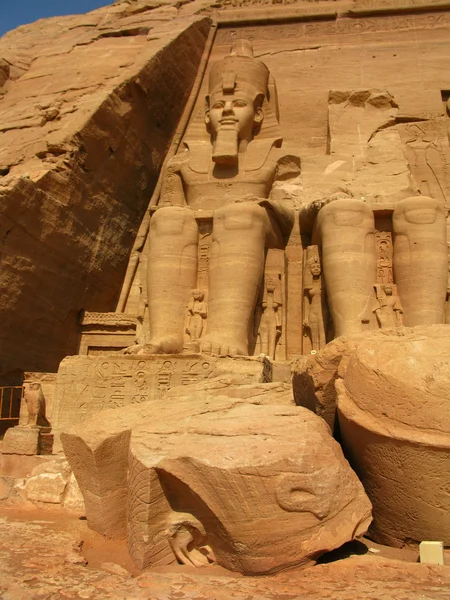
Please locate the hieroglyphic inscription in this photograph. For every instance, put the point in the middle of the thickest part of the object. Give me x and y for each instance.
(384, 257)
(87, 385)
(335, 27)
(204, 247)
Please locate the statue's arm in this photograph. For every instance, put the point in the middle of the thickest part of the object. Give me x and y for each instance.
(306, 306)
(172, 191)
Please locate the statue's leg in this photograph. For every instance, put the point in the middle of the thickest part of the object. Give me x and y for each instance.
(420, 259)
(271, 339)
(172, 274)
(240, 234)
(349, 262)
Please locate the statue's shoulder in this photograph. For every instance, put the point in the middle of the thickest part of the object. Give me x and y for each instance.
(177, 161)
(262, 153)
(196, 154)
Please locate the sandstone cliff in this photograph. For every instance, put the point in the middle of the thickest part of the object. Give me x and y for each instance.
(82, 139)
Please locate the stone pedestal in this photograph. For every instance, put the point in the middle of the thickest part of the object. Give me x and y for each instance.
(21, 440)
(90, 384)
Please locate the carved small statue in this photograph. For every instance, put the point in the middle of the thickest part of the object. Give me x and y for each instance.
(35, 401)
(313, 311)
(270, 321)
(231, 176)
(388, 309)
(196, 315)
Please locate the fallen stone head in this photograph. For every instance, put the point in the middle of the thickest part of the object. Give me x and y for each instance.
(256, 489)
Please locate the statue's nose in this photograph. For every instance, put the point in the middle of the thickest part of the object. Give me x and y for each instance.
(228, 109)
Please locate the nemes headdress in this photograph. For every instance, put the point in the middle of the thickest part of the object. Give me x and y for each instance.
(239, 72)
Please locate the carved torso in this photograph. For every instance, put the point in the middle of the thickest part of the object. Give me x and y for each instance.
(209, 186)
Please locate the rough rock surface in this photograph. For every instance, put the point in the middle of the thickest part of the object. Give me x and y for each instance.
(314, 376)
(49, 483)
(257, 486)
(44, 544)
(82, 139)
(393, 413)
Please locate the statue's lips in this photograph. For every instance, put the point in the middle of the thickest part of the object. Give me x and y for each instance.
(228, 121)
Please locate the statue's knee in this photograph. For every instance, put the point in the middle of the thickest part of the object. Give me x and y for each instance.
(172, 220)
(242, 215)
(418, 210)
(346, 213)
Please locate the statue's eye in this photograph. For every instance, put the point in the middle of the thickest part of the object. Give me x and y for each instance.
(218, 105)
(240, 103)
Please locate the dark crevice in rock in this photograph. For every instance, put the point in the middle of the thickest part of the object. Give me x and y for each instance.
(124, 33)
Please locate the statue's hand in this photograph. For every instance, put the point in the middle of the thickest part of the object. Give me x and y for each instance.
(306, 324)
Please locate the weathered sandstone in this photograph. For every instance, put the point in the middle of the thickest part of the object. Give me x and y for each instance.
(393, 415)
(255, 487)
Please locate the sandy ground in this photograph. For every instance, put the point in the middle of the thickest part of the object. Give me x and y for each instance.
(51, 555)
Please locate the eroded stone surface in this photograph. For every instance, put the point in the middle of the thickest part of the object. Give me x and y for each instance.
(86, 385)
(21, 440)
(393, 415)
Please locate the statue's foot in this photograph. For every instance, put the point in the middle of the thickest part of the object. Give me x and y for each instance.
(135, 349)
(166, 345)
(223, 347)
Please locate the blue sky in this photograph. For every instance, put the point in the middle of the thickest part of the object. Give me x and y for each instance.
(19, 12)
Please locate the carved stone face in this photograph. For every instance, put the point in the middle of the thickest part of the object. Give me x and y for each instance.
(315, 268)
(235, 112)
(270, 285)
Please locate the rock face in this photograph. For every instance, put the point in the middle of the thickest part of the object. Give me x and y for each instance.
(89, 105)
(393, 414)
(255, 487)
(83, 137)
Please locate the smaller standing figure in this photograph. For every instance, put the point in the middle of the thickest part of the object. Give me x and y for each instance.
(388, 309)
(313, 318)
(196, 315)
(35, 401)
(270, 322)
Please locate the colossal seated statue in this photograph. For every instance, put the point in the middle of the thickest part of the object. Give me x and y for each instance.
(231, 179)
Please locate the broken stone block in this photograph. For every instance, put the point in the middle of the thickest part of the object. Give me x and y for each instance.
(47, 487)
(48, 482)
(254, 487)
